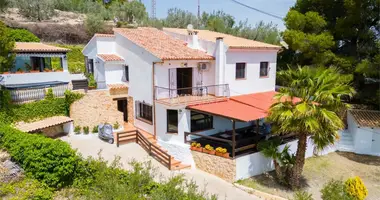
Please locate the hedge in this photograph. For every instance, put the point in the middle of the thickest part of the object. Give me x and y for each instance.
(22, 35)
(52, 162)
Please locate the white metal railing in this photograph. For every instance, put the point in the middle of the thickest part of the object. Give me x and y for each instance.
(33, 94)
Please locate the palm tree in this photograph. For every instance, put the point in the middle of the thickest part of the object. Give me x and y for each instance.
(308, 107)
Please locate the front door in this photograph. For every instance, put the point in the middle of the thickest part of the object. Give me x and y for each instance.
(184, 80)
(376, 143)
(122, 106)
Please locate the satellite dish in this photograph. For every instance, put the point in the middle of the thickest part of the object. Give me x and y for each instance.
(190, 27)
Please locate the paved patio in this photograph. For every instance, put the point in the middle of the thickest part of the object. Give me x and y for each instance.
(90, 145)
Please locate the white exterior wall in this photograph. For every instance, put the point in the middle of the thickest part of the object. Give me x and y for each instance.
(255, 164)
(41, 77)
(100, 74)
(252, 83)
(68, 128)
(114, 73)
(140, 64)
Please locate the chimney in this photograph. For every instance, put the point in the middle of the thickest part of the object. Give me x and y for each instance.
(192, 39)
(220, 63)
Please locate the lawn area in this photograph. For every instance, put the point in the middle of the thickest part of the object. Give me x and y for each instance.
(319, 170)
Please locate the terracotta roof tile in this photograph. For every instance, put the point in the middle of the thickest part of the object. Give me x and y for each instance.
(37, 47)
(117, 86)
(161, 44)
(48, 122)
(366, 118)
(103, 35)
(110, 57)
(230, 40)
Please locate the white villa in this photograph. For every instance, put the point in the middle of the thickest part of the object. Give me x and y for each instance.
(192, 86)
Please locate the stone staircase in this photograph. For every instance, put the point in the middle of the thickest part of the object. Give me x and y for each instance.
(149, 143)
(346, 142)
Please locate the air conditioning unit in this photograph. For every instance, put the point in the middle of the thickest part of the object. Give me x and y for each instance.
(203, 67)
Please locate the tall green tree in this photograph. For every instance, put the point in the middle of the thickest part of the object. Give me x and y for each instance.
(6, 46)
(308, 107)
(37, 10)
(129, 11)
(178, 18)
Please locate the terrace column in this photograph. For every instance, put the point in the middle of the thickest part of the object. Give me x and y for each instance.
(64, 63)
(233, 139)
(220, 62)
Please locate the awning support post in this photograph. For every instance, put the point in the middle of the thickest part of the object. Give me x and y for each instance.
(233, 139)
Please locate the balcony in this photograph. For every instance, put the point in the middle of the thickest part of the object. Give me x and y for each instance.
(191, 95)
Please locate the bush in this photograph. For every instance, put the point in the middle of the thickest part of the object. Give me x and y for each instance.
(22, 35)
(38, 10)
(71, 97)
(95, 129)
(334, 190)
(49, 94)
(75, 58)
(302, 195)
(94, 24)
(25, 189)
(86, 130)
(356, 188)
(52, 162)
(91, 81)
(77, 129)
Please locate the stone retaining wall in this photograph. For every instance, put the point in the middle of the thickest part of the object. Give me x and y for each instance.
(96, 107)
(222, 167)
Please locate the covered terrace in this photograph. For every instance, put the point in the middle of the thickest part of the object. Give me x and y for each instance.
(249, 110)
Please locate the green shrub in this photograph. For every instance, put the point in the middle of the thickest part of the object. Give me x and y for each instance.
(77, 129)
(22, 35)
(86, 130)
(334, 190)
(25, 189)
(71, 97)
(356, 188)
(75, 58)
(116, 125)
(95, 129)
(94, 24)
(52, 162)
(302, 195)
(38, 110)
(91, 81)
(49, 94)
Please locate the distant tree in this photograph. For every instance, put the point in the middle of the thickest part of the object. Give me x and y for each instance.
(22, 35)
(265, 32)
(6, 46)
(133, 11)
(178, 18)
(94, 24)
(3, 4)
(38, 10)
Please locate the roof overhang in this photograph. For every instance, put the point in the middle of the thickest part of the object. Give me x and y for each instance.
(45, 123)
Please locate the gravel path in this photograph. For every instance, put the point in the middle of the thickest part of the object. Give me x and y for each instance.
(90, 145)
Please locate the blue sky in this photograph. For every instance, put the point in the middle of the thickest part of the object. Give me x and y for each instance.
(276, 7)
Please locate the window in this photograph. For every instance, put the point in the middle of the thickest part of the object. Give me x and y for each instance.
(264, 69)
(172, 121)
(200, 121)
(144, 112)
(89, 65)
(240, 70)
(126, 73)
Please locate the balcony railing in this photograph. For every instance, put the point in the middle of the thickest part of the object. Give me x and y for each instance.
(192, 94)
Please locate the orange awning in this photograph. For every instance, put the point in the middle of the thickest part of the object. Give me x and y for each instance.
(244, 108)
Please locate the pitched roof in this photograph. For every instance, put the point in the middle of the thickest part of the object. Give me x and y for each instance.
(232, 41)
(110, 57)
(161, 44)
(21, 47)
(45, 123)
(117, 86)
(103, 35)
(366, 118)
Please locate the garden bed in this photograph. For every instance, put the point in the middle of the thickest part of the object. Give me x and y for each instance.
(319, 170)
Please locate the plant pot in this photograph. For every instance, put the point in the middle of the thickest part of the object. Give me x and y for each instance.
(208, 151)
(224, 155)
(58, 70)
(19, 72)
(199, 149)
(34, 71)
(6, 72)
(91, 87)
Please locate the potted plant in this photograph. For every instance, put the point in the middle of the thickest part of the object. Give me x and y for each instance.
(47, 70)
(208, 149)
(95, 129)
(222, 152)
(196, 146)
(19, 71)
(86, 130)
(91, 82)
(77, 129)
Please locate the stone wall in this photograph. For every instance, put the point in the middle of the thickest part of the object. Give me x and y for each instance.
(96, 107)
(224, 168)
(131, 112)
(53, 131)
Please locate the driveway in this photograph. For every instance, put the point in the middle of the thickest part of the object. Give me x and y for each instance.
(90, 145)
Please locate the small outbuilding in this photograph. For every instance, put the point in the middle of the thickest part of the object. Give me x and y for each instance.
(364, 131)
(51, 127)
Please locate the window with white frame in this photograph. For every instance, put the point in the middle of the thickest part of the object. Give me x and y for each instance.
(144, 111)
(264, 69)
